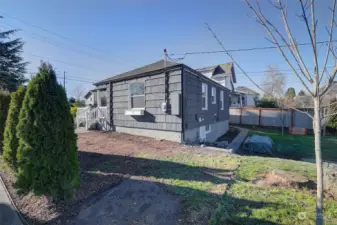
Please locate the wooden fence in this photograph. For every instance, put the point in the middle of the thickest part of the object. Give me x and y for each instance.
(270, 117)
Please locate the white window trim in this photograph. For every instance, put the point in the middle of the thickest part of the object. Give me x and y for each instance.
(210, 129)
(214, 95)
(222, 100)
(129, 103)
(206, 95)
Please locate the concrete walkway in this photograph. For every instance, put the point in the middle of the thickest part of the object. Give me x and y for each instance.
(8, 214)
(238, 140)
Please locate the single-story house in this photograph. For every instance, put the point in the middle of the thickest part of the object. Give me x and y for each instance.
(166, 100)
(244, 97)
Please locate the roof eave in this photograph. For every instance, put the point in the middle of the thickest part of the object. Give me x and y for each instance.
(137, 75)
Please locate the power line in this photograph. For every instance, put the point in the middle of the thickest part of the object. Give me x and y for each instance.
(59, 35)
(60, 61)
(242, 49)
(54, 43)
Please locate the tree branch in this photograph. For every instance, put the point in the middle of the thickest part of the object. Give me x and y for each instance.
(261, 20)
(330, 38)
(244, 72)
(328, 85)
(293, 42)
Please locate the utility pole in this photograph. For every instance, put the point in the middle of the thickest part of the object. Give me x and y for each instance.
(64, 80)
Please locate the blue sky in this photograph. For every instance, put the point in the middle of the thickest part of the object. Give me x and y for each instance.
(109, 37)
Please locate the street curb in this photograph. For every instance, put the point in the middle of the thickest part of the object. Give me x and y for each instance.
(12, 202)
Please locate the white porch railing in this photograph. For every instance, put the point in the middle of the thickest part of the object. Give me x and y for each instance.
(91, 115)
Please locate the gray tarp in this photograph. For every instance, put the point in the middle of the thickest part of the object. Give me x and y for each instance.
(259, 144)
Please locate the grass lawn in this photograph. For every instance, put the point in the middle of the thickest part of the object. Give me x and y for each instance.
(198, 180)
(247, 203)
(297, 147)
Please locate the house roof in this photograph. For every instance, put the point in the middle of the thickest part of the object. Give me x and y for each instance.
(92, 90)
(142, 70)
(221, 70)
(247, 90)
(87, 94)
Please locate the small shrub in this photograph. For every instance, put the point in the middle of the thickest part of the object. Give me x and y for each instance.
(266, 103)
(11, 142)
(5, 99)
(73, 109)
(47, 153)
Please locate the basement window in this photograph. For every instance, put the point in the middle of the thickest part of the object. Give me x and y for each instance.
(204, 96)
(137, 95)
(208, 128)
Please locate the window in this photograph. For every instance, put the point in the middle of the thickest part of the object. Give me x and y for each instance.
(204, 96)
(213, 95)
(208, 128)
(137, 95)
(222, 105)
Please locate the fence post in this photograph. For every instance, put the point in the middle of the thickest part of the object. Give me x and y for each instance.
(259, 116)
(292, 118)
(241, 115)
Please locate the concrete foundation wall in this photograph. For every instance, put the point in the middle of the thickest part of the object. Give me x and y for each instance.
(158, 134)
(217, 129)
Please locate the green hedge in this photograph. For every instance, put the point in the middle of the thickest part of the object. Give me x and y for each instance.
(47, 153)
(11, 142)
(5, 99)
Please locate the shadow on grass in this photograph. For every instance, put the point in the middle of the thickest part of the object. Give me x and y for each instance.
(101, 172)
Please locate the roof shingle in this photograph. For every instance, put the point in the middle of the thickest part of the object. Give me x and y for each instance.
(142, 70)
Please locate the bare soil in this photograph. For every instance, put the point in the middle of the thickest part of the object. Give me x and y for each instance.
(94, 148)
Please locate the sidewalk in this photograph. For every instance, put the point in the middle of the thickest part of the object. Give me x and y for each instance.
(8, 214)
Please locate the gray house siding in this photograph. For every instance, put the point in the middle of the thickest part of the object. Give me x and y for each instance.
(155, 122)
(194, 116)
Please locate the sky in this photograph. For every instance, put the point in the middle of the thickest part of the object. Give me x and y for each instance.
(93, 40)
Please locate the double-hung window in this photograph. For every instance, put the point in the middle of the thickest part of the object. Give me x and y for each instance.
(204, 96)
(213, 95)
(137, 95)
(222, 104)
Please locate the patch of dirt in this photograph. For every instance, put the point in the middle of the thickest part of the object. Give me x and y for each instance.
(286, 179)
(280, 178)
(94, 149)
(135, 201)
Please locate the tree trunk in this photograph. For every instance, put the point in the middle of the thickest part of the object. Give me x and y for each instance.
(319, 164)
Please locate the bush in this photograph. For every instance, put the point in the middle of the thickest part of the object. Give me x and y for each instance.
(266, 103)
(47, 153)
(11, 142)
(5, 99)
(73, 109)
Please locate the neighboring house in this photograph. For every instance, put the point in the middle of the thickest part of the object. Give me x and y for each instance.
(331, 94)
(242, 99)
(167, 100)
(247, 90)
(96, 97)
(225, 75)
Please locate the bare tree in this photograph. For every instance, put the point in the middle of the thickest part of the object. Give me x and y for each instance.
(274, 81)
(311, 80)
(79, 93)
